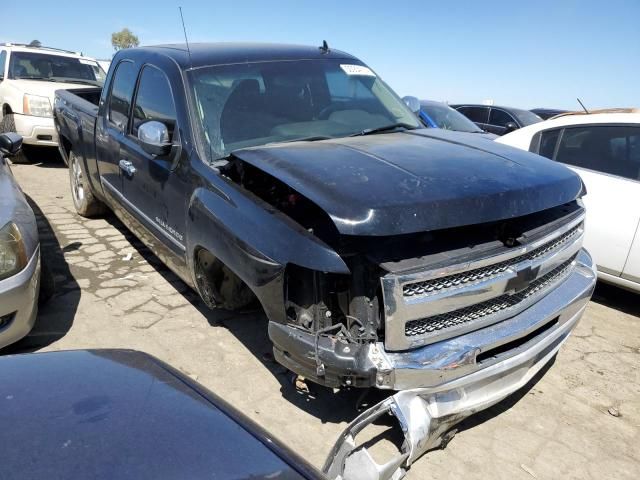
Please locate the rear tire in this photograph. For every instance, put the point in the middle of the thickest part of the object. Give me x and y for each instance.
(8, 124)
(87, 205)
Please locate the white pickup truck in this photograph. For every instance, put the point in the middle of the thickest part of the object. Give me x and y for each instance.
(29, 77)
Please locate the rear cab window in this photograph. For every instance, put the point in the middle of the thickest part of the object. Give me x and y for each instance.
(124, 81)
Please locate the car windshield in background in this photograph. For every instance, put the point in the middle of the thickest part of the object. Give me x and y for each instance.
(250, 104)
(55, 68)
(526, 117)
(447, 118)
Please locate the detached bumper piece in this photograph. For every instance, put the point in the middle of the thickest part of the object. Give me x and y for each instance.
(470, 381)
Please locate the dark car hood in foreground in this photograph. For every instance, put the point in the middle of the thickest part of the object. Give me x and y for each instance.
(421, 180)
(118, 414)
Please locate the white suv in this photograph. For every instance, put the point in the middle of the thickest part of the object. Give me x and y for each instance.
(604, 149)
(29, 76)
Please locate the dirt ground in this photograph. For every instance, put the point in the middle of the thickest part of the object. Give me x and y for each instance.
(579, 419)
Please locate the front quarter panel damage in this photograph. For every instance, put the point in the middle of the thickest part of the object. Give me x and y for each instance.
(253, 240)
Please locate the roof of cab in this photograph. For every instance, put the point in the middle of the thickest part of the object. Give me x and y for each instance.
(204, 54)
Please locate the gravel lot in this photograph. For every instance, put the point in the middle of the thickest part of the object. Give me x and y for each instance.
(580, 420)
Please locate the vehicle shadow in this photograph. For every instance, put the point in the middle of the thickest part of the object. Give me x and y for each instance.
(617, 298)
(43, 157)
(55, 315)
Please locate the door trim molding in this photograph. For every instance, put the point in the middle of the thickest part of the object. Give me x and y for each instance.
(132, 208)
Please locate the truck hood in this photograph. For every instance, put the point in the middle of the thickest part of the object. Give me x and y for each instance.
(414, 181)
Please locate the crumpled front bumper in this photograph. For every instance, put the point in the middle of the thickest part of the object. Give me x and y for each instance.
(438, 392)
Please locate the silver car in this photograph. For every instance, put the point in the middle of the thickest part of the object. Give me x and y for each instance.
(19, 252)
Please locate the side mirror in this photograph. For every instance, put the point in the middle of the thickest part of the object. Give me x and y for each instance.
(510, 127)
(10, 143)
(413, 103)
(154, 138)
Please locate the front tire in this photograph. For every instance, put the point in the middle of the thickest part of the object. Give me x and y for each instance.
(7, 125)
(87, 205)
(218, 286)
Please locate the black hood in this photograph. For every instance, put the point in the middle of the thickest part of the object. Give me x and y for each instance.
(415, 181)
(121, 414)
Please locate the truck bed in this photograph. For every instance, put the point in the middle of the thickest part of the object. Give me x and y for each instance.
(82, 99)
(76, 111)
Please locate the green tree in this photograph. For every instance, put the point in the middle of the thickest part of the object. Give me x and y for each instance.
(124, 39)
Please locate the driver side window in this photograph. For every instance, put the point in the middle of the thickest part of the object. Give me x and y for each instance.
(154, 101)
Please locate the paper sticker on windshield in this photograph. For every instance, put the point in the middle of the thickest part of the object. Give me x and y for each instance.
(88, 62)
(357, 70)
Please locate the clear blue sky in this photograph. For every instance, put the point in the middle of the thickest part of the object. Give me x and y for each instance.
(526, 54)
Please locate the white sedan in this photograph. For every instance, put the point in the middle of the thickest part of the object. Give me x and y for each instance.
(604, 149)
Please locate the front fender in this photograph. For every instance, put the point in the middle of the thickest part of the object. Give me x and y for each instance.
(251, 238)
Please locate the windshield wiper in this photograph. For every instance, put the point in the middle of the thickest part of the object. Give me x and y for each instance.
(313, 138)
(386, 128)
(48, 79)
(82, 82)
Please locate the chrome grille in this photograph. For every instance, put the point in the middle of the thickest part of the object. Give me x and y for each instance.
(436, 285)
(483, 310)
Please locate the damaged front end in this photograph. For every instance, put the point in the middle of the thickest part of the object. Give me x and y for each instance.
(454, 319)
(428, 416)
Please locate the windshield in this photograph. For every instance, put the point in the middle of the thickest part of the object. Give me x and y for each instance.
(526, 117)
(251, 104)
(55, 68)
(449, 119)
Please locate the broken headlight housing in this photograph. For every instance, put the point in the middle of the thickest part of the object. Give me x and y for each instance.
(13, 254)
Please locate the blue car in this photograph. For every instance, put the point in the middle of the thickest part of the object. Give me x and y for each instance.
(441, 115)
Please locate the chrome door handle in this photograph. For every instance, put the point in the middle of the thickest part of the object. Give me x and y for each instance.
(127, 167)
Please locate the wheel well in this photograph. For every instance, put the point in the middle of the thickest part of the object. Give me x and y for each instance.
(66, 145)
(231, 291)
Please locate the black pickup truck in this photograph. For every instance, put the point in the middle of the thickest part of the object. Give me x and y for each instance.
(384, 254)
